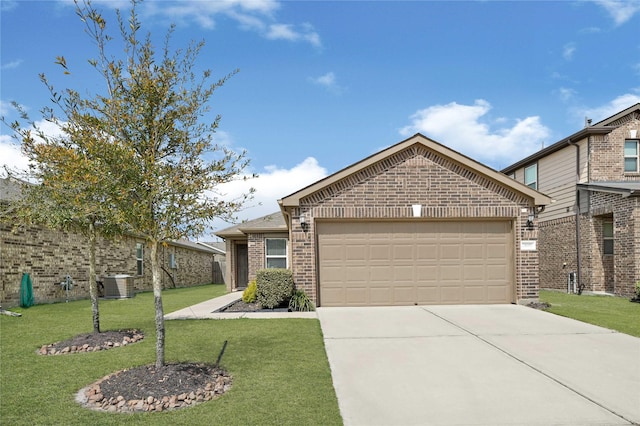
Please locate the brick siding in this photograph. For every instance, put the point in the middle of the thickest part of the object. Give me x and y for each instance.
(48, 256)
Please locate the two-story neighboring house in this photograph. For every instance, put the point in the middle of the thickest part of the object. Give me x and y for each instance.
(592, 228)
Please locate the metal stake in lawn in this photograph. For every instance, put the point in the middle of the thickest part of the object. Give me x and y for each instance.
(220, 355)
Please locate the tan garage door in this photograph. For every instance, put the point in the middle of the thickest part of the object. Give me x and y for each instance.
(406, 263)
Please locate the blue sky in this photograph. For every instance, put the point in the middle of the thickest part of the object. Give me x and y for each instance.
(324, 84)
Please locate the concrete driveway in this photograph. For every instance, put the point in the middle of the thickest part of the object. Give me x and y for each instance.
(479, 365)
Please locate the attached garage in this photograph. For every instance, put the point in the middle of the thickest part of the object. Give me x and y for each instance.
(379, 263)
(416, 223)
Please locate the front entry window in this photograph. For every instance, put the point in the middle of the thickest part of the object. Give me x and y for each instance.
(276, 253)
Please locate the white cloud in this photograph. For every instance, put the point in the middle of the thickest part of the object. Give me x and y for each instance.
(612, 107)
(251, 15)
(11, 65)
(620, 10)
(565, 94)
(5, 107)
(7, 5)
(272, 184)
(329, 81)
(10, 156)
(291, 33)
(568, 50)
(460, 128)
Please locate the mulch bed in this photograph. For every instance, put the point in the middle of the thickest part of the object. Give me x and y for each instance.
(148, 388)
(145, 388)
(93, 342)
(241, 306)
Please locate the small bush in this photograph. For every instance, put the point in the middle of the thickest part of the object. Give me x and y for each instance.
(275, 287)
(249, 294)
(300, 302)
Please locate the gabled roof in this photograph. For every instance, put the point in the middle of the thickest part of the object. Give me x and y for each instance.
(273, 222)
(626, 189)
(293, 200)
(217, 246)
(600, 128)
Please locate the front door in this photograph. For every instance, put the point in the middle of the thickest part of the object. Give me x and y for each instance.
(242, 266)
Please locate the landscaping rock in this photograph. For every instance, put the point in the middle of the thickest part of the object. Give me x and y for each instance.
(93, 342)
(150, 389)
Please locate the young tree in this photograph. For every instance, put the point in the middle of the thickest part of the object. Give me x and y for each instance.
(72, 186)
(169, 168)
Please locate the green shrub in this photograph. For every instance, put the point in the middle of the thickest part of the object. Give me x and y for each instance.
(275, 287)
(249, 294)
(300, 302)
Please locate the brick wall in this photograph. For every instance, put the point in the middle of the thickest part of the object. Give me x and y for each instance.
(557, 248)
(387, 190)
(626, 231)
(48, 256)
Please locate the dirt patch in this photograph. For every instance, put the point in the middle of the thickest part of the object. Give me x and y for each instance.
(148, 388)
(93, 342)
(539, 305)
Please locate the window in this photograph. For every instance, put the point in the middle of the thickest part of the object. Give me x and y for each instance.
(531, 176)
(631, 156)
(139, 259)
(276, 253)
(607, 236)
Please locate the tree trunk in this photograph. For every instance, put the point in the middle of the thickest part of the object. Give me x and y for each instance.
(93, 285)
(157, 297)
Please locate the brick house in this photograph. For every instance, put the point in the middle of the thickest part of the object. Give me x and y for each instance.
(416, 223)
(49, 255)
(592, 230)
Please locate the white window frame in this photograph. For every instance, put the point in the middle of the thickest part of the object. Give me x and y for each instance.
(268, 256)
(534, 183)
(139, 259)
(635, 157)
(606, 238)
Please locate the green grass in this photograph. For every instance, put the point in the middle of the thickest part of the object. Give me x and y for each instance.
(280, 369)
(616, 313)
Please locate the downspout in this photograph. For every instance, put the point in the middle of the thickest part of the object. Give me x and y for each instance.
(577, 212)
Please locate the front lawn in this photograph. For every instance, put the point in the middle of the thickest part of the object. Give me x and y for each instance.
(616, 313)
(280, 370)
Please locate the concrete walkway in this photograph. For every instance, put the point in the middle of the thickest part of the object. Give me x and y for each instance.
(207, 310)
(479, 365)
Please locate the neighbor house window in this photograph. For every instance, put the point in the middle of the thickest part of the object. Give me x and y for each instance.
(531, 176)
(276, 253)
(607, 236)
(631, 156)
(139, 259)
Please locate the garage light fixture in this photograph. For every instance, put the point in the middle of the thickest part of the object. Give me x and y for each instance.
(530, 219)
(303, 223)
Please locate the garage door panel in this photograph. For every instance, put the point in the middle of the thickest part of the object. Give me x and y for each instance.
(474, 294)
(495, 294)
(496, 273)
(450, 251)
(356, 252)
(356, 296)
(451, 294)
(404, 295)
(403, 263)
(450, 273)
